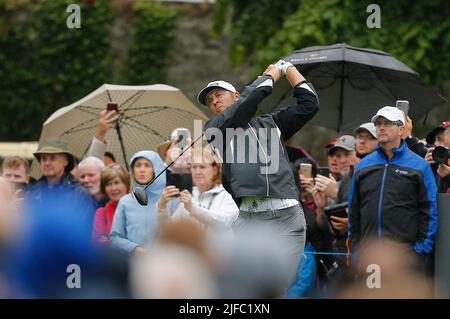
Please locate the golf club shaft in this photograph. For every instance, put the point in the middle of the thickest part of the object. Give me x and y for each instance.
(192, 144)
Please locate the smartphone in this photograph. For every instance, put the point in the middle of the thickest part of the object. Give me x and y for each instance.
(338, 210)
(180, 181)
(112, 107)
(306, 170)
(324, 171)
(21, 186)
(403, 105)
(182, 137)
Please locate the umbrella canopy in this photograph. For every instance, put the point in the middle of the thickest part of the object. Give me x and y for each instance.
(352, 84)
(148, 114)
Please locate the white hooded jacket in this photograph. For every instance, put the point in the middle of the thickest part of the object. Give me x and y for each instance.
(215, 208)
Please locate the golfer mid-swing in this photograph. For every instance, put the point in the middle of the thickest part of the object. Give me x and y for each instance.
(266, 198)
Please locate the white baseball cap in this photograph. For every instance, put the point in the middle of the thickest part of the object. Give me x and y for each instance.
(391, 113)
(201, 97)
(369, 127)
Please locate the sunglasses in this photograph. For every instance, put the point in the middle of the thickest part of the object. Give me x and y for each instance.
(388, 123)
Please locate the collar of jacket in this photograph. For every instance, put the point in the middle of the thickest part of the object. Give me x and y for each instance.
(66, 179)
(214, 190)
(397, 151)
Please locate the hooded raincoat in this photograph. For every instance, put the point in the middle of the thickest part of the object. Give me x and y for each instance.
(135, 225)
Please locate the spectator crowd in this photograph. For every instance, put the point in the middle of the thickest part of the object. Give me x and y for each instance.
(220, 228)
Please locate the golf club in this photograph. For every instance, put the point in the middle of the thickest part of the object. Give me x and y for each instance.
(140, 193)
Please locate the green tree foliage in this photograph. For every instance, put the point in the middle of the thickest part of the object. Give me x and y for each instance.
(418, 33)
(153, 35)
(44, 65)
(253, 22)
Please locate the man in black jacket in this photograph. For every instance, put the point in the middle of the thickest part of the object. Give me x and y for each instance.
(264, 189)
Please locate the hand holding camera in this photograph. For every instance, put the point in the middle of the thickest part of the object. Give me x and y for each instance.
(444, 169)
(429, 156)
(440, 155)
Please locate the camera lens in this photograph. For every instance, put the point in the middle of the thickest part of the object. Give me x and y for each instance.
(440, 155)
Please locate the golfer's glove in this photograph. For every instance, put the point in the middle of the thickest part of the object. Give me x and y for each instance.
(282, 66)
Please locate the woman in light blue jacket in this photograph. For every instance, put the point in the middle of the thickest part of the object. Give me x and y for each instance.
(135, 225)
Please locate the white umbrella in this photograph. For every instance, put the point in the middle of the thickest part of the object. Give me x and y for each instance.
(148, 114)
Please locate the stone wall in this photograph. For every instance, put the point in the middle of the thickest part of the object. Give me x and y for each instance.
(200, 58)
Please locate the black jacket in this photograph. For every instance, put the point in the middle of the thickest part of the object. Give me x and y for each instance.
(255, 159)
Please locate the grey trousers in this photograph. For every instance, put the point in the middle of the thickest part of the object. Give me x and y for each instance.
(285, 227)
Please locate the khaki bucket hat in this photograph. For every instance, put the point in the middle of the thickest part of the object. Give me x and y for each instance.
(54, 145)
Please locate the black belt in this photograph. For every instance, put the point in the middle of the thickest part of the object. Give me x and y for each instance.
(271, 213)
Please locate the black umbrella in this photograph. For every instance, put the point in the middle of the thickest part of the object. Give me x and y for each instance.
(296, 152)
(352, 84)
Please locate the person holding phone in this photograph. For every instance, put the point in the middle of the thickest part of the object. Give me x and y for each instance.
(318, 235)
(413, 143)
(172, 147)
(440, 136)
(16, 170)
(178, 173)
(310, 197)
(107, 120)
(366, 143)
(209, 203)
(345, 154)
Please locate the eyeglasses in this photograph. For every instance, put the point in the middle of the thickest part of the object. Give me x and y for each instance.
(387, 123)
